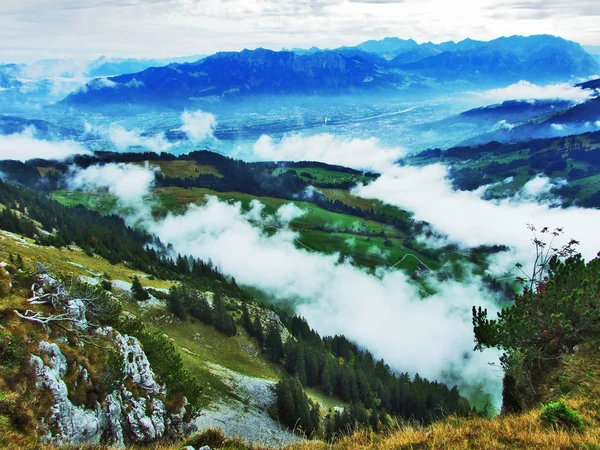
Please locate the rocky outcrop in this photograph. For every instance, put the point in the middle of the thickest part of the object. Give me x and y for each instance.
(70, 424)
(133, 413)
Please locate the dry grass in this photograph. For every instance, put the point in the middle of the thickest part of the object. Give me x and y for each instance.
(575, 382)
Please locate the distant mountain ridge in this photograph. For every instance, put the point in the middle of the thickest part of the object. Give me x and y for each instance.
(446, 66)
(258, 71)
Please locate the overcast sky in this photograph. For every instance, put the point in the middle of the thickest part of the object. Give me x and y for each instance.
(33, 29)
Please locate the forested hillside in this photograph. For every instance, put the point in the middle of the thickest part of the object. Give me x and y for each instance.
(56, 237)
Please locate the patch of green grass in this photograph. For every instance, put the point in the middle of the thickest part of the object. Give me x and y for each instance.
(46, 170)
(176, 199)
(558, 414)
(367, 251)
(589, 185)
(324, 176)
(102, 202)
(326, 402)
(184, 169)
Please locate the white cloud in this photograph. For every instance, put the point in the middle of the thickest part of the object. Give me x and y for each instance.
(524, 90)
(97, 84)
(360, 154)
(35, 27)
(134, 83)
(25, 146)
(198, 125)
(558, 126)
(539, 186)
(125, 139)
(289, 212)
(130, 183)
(384, 314)
(468, 219)
(503, 125)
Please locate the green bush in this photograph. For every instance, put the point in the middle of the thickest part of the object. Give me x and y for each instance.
(558, 414)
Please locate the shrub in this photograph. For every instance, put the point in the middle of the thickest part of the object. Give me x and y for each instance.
(558, 414)
(139, 293)
(106, 285)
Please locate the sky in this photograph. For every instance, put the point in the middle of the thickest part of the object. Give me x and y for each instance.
(85, 29)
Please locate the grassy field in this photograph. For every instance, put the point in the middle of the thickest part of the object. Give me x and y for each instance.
(353, 201)
(184, 169)
(102, 202)
(175, 199)
(320, 230)
(325, 176)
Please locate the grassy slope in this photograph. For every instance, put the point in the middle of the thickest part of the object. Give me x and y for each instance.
(200, 346)
(184, 169)
(71, 260)
(238, 353)
(325, 176)
(320, 230)
(575, 382)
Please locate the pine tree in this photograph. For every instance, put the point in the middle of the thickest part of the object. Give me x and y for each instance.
(327, 379)
(199, 307)
(221, 318)
(247, 321)
(273, 344)
(175, 303)
(138, 291)
(374, 420)
(259, 334)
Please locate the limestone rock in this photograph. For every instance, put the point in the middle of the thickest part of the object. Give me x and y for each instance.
(124, 417)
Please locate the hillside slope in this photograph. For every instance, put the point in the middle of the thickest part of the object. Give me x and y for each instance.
(235, 379)
(129, 344)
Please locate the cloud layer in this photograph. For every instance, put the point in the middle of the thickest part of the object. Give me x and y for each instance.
(124, 139)
(524, 90)
(198, 125)
(24, 146)
(129, 183)
(468, 219)
(360, 154)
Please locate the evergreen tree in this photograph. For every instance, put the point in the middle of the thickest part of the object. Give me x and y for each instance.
(327, 378)
(175, 304)
(221, 318)
(259, 334)
(138, 291)
(294, 408)
(374, 420)
(199, 308)
(273, 344)
(247, 321)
